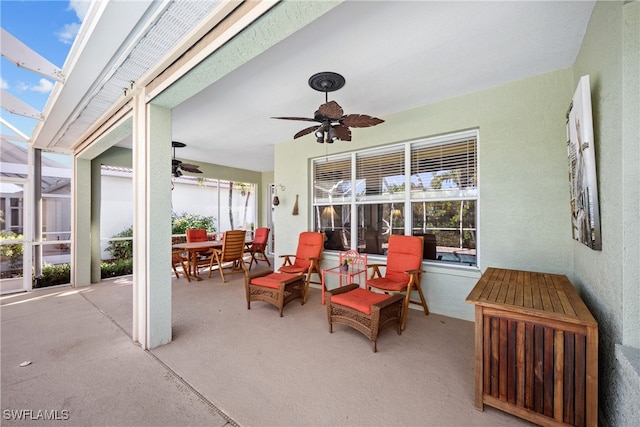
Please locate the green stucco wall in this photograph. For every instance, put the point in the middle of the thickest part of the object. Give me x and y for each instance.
(609, 280)
(523, 218)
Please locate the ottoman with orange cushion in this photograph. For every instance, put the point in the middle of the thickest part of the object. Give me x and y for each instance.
(366, 311)
(274, 288)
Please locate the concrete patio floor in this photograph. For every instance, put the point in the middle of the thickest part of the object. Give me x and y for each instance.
(227, 365)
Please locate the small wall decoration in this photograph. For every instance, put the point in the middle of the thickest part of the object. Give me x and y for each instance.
(585, 212)
(295, 207)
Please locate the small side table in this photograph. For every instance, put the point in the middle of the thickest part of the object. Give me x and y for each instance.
(344, 277)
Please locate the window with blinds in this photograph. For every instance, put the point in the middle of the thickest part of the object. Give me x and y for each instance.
(332, 180)
(444, 170)
(439, 204)
(380, 174)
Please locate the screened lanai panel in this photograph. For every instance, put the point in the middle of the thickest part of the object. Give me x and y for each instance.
(237, 205)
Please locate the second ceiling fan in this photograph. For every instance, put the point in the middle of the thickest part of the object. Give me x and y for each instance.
(177, 166)
(334, 124)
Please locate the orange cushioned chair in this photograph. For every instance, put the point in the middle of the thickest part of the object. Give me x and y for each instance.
(200, 235)
(259, 245)
(404, 262)
(365, 311)
(307, 258)
(231, 255)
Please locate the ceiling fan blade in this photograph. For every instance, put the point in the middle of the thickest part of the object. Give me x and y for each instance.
(190, 168)
(360, 120)
(306, 131)
(342, 132)
(304, 119)
(331, 110)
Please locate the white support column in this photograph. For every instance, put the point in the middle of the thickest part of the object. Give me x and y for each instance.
(37, 212)
(27, 223)
(81, 223)
(151, 224)
(96, 232)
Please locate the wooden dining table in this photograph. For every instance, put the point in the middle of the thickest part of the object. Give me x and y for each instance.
(194, 247)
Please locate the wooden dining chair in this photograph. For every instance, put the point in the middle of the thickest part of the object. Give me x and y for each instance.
(177, 259)
(231, 256)
(204, 257)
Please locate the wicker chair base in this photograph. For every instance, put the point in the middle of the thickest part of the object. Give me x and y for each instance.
(286, 292)
(385, 314)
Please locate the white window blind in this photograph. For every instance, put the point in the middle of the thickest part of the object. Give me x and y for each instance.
(444, 170)
(332, 180)
(380, 175)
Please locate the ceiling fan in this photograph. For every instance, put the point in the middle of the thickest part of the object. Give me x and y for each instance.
(334, 124)
(177, 166)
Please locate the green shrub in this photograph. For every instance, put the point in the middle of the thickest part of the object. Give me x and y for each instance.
(53, 274)
(180, 223)
(11, 252)
(60, 274)
(121, 249)
(115, 268)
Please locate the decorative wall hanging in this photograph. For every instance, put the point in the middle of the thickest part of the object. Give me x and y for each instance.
(276, 199)
(585, 212)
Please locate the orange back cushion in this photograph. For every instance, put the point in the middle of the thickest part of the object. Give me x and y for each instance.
(405, 253)
(260, 237)
(197, 235)
(310, 245)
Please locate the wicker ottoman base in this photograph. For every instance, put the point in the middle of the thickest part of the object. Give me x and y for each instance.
(384, 314)
(274, 288)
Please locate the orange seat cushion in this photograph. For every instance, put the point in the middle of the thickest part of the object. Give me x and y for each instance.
(273, 280)
(291, 269)
(387, 284)
(359, 299)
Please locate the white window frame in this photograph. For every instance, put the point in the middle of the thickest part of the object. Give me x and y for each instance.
(405, 198)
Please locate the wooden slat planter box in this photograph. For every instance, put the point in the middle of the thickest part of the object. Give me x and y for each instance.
(536, 347)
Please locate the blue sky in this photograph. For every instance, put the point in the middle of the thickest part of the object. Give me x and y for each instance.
(47, 27)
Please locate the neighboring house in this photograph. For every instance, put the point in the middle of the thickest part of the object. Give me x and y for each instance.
(56, 193)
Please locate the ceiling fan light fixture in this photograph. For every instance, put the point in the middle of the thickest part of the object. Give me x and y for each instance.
(331, 136)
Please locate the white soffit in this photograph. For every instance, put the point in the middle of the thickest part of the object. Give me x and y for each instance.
(125, 40)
